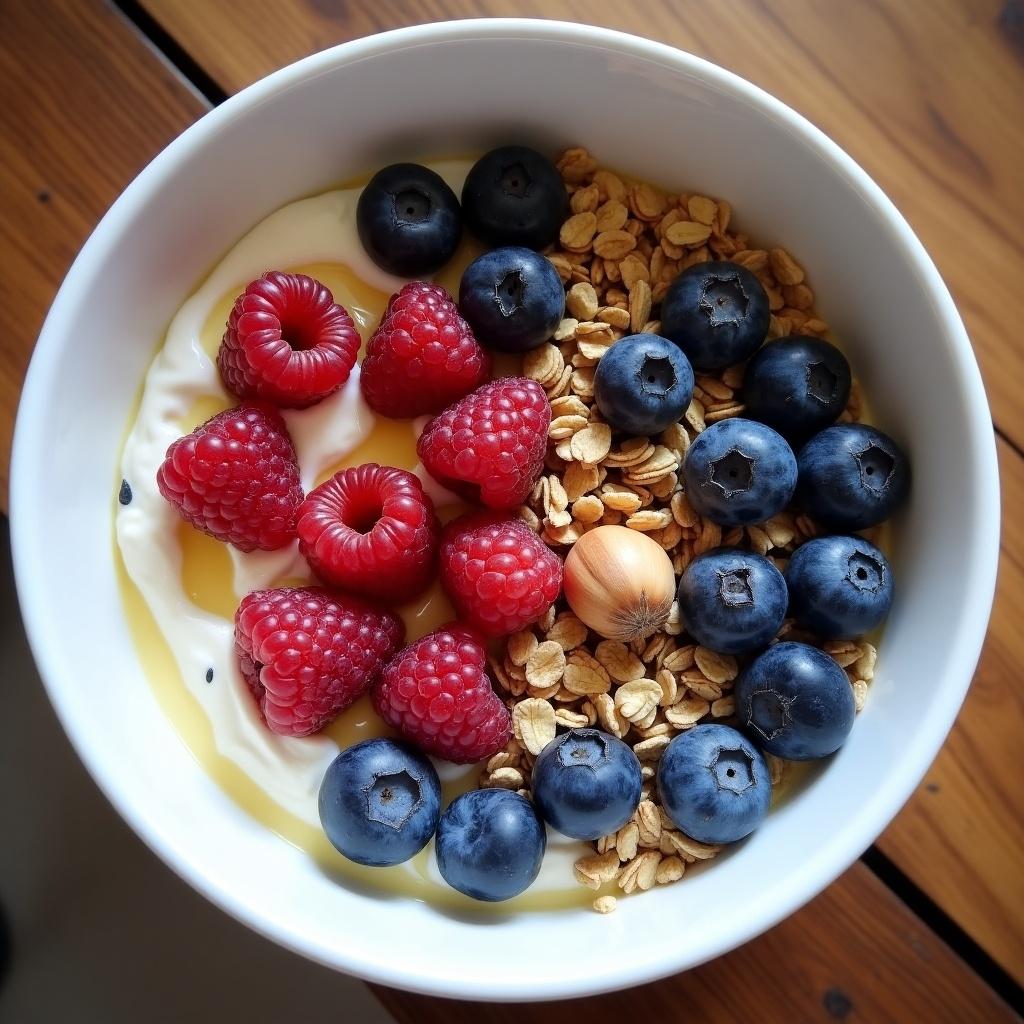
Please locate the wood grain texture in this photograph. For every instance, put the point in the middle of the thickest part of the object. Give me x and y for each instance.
(961, 837)
(109, 105)
(917, 92)
(855, 953)
(925, 94)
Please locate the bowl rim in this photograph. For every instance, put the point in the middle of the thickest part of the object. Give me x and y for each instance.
(30, 441)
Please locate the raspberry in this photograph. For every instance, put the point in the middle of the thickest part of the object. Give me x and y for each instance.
(372, 530)
(235, 477)
(497, 572)
(490, 446)
(307, 654)
(423, 356)
(437, 693)
(287, 341)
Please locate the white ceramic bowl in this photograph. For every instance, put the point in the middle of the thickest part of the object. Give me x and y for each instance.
(644, 108)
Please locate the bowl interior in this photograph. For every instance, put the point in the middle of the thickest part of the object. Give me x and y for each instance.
(651, 112)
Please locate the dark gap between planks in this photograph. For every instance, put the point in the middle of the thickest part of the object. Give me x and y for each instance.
(939, 922)
(159, 38)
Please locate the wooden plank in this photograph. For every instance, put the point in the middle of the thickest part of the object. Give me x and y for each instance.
(961, 837)
(86, 104)
(859, 963)
(925, 94)
(855, 952)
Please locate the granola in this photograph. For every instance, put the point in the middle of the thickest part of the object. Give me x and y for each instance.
(618, 251)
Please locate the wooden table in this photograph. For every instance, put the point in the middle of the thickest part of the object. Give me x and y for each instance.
(928, 95)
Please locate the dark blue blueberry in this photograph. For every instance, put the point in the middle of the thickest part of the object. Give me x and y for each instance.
(717, 313)
(797, 385)
(714, 784)
(839, 587)
(490, 844)
(586, 783)
(852, 477)
(739, 472)
(515, 196)
(124, 495)
(732, 601)
(643, 384)
(795, 702)
(512, 298)
(380, 802)
(409, 220)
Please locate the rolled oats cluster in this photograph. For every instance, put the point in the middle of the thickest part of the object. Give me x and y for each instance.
(622, 245)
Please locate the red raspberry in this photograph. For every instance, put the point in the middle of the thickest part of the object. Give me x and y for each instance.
(423, 356)
(490, 446)
(287, 341)
(437, 693)
(498, 573)
(235, 477)
(307, 654)
(371, 530)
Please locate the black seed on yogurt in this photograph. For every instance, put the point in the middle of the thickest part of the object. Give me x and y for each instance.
(125, 494)
(209, 675)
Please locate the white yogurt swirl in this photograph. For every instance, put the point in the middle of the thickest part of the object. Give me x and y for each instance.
(317, 230)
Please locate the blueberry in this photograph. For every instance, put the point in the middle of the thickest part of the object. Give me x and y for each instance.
(852, 477)
(797, 385)
(795, 702)
(515, 196)
(512, 298)
(739, 472)
(839, 587)
(379, 802)
(714, 784)
(490, 844)
(643, 384)
(732, 601)
(409, 220)
(717, 313)
(586, 784)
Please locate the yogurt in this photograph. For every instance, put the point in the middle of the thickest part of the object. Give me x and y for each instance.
(163, 558)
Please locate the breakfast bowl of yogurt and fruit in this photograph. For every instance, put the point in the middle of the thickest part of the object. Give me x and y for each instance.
(505, 485)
